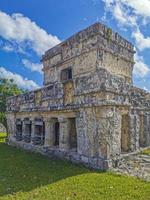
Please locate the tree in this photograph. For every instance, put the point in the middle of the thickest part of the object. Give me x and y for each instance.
(7, 88)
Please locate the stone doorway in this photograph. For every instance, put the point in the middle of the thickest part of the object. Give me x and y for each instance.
(56, 134)
(125, 137)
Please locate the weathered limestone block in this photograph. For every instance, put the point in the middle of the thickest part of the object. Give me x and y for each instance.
(32, 130)
(88, 59)
(91, 132)
(109, 132)
(11, 126)
(49, 132)
(117, 66)
(38, 98)
(82, 139)
(144, 139)
(134, 131)
(64, 133)
(50, 76)
(68, 93)
(23, 129)
(86, 128)
(148, 130)
(125, 136)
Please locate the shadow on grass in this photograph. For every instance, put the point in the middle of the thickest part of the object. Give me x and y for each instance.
(24, 171)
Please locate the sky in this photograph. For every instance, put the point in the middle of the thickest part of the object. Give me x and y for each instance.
(30, 27)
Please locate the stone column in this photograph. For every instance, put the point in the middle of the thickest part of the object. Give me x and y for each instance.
(109, 132)
(23, 129)
(86, 133)
(134, 131)
(32, 130)
(148, 130)
(13, 134)
(11, 121)
(49, 132)
(64, 141)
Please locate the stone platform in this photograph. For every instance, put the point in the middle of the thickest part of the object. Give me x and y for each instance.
(137, 165)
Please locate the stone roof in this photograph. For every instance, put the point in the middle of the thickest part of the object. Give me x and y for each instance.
(95, 29)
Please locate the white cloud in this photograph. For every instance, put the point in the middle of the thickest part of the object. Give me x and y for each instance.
(18, 79)
(7, 48)
(119, 11)
(34, 67)
(142, 42)
(140, 7)
(140, 68)
(121, 14)
(12, 46)
(145, 88)
(22, 30)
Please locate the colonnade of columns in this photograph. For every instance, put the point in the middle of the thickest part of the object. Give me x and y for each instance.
(47, 132)
(135, 131)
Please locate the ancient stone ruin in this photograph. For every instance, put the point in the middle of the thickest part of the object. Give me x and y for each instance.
(88, 110)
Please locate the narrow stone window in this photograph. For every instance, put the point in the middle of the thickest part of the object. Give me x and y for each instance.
(66, 74)
(18, 130)
(69, 73)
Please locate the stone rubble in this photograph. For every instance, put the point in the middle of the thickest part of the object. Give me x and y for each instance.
(137, 165)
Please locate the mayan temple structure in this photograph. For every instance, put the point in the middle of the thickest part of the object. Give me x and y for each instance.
(88, 110)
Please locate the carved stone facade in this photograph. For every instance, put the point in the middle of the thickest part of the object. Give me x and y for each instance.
(88, 110)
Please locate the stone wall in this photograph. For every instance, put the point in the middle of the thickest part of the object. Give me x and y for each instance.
(97, 88)
(96, 46)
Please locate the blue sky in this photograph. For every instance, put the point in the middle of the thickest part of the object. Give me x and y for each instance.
(28, 28)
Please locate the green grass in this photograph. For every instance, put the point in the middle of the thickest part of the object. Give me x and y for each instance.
(146, 152)
(2, 137)
(29, 176)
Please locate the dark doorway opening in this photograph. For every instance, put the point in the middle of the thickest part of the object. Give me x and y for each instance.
(28, 129)
(57, 133)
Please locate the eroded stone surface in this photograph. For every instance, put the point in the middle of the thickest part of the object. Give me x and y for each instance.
(137, 165)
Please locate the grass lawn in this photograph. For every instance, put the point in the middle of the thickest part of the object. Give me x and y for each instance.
(29, 176)
(2, 137)
(146, 152)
